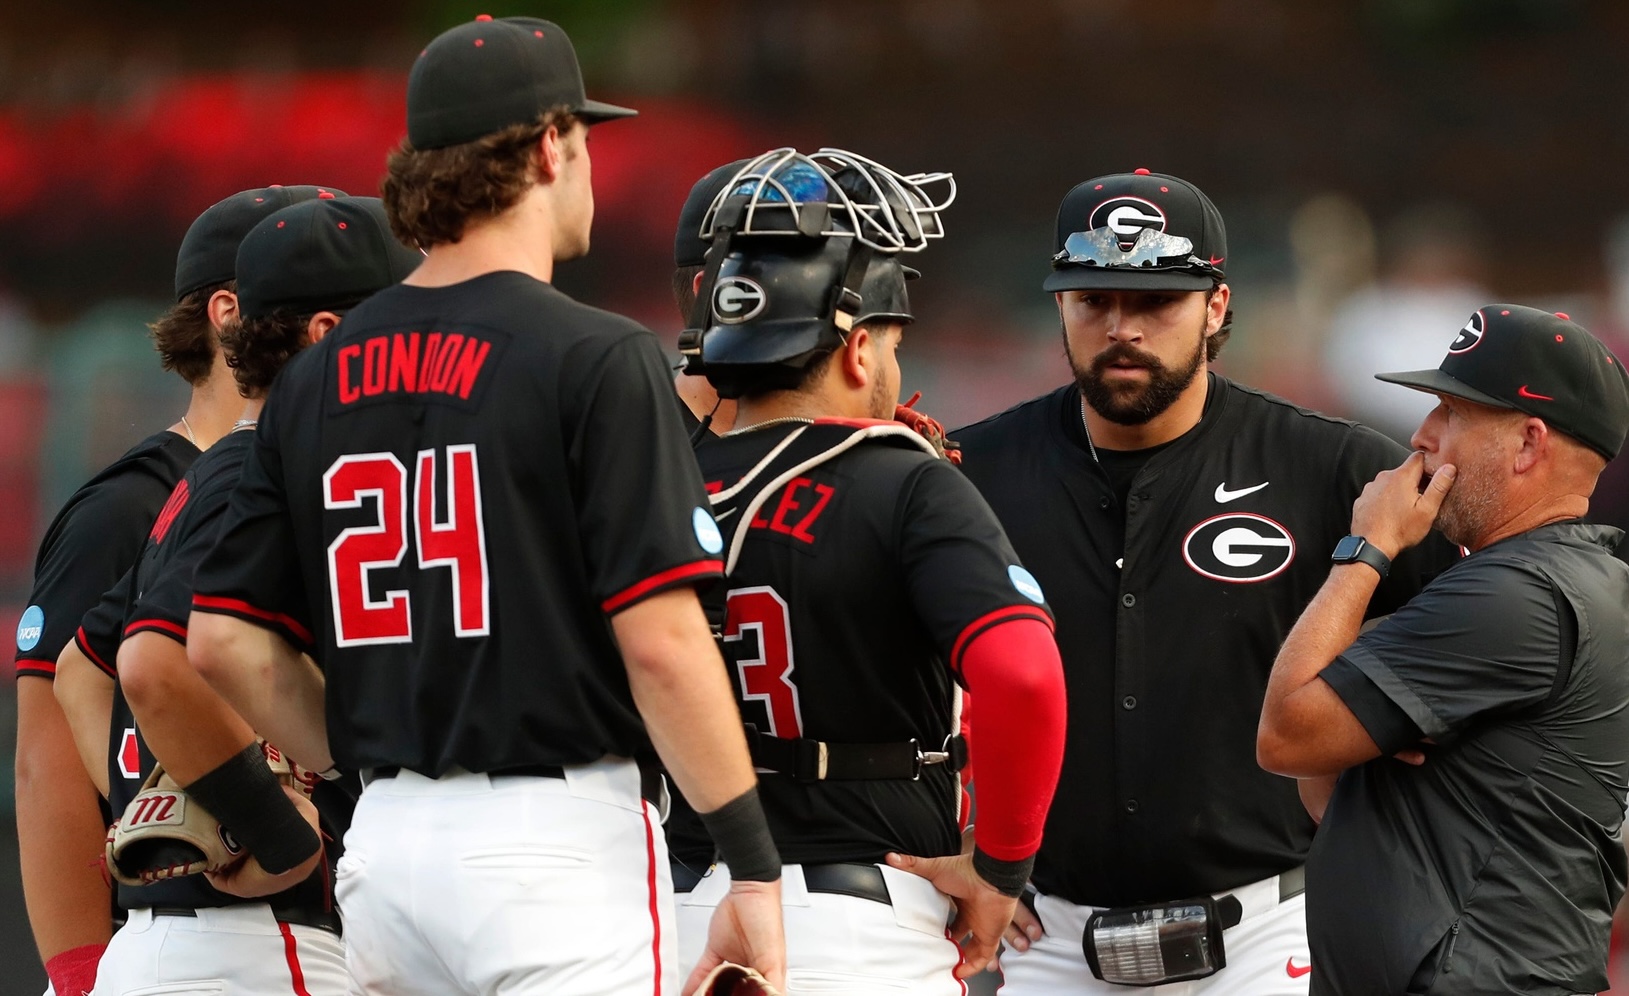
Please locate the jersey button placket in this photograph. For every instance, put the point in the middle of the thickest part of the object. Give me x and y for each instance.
(1128, 702)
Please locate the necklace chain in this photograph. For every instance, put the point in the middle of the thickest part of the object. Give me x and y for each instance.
(188, 426)
(1088, 427)
(784, 420)
(245, 423)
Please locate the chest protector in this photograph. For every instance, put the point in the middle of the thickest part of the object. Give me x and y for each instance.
(734, 507)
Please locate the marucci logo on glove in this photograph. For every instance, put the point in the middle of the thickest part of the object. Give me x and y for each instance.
(1238, 548)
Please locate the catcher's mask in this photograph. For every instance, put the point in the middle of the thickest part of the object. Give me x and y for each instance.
(803, 249)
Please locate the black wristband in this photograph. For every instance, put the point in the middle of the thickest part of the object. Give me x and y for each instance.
(248, 799)
(1007, 877)
(740, 831)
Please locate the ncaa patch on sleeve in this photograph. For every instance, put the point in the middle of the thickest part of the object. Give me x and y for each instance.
(30, 628)
(1026, 584)
(707, 533)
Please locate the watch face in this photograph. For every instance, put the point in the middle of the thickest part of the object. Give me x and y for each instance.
(1347, 548)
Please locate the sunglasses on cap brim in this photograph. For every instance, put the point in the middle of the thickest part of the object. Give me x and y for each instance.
(1153, 250)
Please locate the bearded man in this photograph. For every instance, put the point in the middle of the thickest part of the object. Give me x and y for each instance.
(1178, 523)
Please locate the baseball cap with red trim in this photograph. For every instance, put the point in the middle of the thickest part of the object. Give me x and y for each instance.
(1126, 231)
(320, 255)
(1544, 364)
(209, 252)
(486, 75)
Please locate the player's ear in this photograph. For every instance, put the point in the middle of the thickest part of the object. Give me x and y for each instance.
(856, 358)
(320, 325)
(695, 285)
(551, 152)
(222, 308)
(1216, 308)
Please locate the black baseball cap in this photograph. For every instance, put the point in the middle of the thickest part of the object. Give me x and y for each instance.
(689, 248)
(486, 75)
(1544, 364)
(209, 251)
(321, 255)
(1127, 204)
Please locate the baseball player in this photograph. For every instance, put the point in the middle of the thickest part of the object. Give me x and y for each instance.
(93, 540)
(702, 405)
(866, 579)
(1182, 519)
(296, 270)
(474, 504)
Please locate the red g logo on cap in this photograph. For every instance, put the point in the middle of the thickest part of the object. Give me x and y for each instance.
(1127, 216)
(1470, 335)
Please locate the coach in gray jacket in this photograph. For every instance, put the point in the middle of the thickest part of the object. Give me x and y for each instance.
(1492, 862)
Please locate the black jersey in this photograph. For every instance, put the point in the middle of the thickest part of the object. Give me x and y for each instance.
(1171, 609)
(858, 585)
(446, 498)
(156, 596)
(91, 543)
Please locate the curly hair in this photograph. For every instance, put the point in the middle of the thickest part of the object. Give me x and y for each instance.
(184, 337)
(432, 195)
(257, 348)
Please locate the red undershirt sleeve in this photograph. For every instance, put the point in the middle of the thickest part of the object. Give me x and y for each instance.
(1014, 671)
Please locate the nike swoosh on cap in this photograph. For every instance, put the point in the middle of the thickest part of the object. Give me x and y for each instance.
(1223, 495)
(1524, 392)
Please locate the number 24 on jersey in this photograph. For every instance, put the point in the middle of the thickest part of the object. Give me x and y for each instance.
(450, 536)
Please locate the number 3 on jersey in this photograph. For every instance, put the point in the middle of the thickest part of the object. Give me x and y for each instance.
(766, 678)
(454, 539)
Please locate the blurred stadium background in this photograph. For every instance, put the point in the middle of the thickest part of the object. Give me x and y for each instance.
(1383, 167)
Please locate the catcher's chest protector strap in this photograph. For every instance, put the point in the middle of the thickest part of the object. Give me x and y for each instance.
(797, 454)
(736, 506)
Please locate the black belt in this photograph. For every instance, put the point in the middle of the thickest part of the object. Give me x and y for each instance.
(1228, 908)
(1290, 884)
(650, 777)
(848, 879)
(818, 761)
(299, 918)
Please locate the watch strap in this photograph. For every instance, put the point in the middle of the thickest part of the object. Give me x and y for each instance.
(1367, 553)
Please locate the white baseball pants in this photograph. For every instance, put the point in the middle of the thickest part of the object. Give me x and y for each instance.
(231, 951)
(508, 885)
(844, 944)
(1267, 953)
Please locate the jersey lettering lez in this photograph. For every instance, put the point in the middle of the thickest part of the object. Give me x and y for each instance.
(447, 496)
(859, 583)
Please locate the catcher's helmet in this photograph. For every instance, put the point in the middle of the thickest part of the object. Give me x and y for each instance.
(803, 249)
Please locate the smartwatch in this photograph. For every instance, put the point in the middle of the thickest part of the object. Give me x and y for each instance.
(1356, 550)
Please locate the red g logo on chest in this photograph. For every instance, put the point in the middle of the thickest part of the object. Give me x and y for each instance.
(1238, 548)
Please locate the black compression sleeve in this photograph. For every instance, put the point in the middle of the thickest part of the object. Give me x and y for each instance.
(741, 833)
(1007, 877)
(248, 799)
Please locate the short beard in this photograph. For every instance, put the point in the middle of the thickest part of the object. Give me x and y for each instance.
(1128, 404)
(883, 400)
(1468, 509)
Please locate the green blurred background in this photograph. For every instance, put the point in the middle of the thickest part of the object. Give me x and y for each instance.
(1383, 166)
